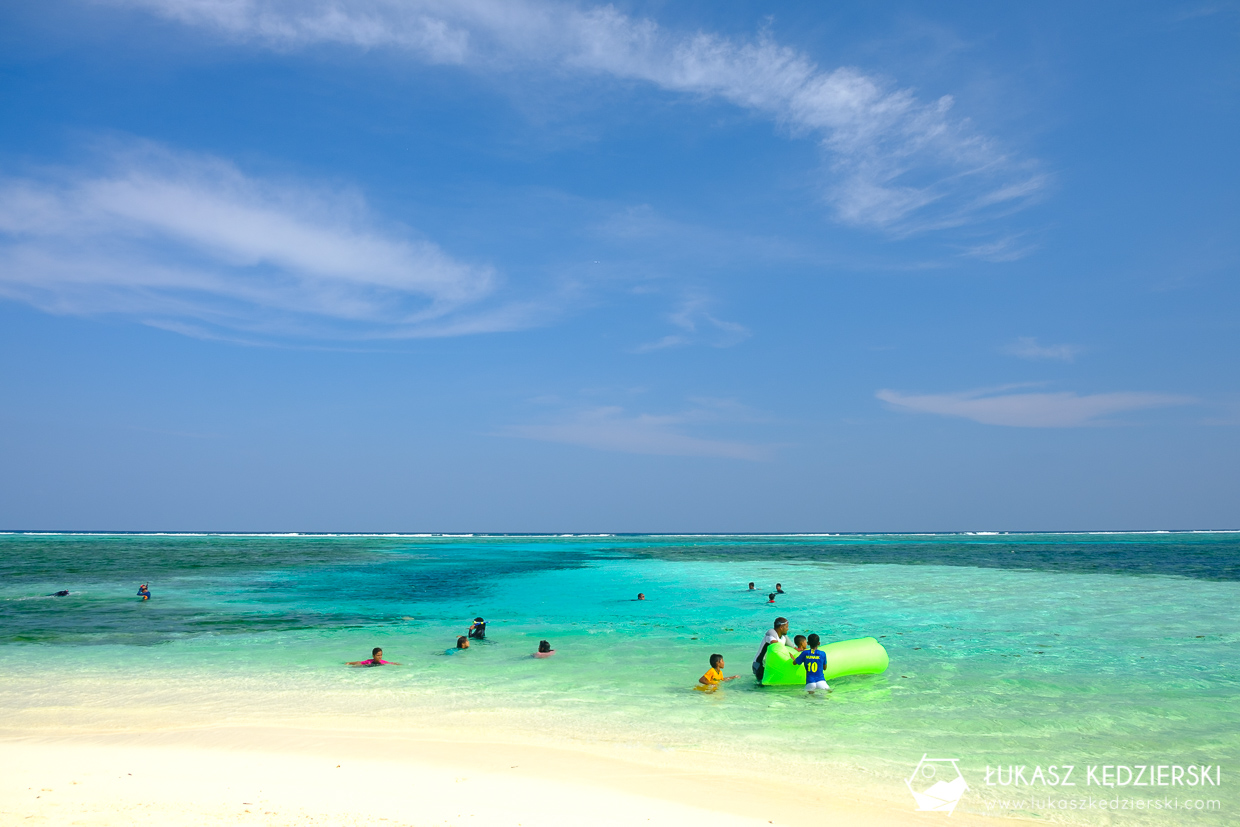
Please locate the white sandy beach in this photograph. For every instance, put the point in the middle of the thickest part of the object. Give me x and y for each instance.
(286, 775)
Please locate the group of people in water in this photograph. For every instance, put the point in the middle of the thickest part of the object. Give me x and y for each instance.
(808, 653)
(143, 592)
(770, 598)
(477, 631)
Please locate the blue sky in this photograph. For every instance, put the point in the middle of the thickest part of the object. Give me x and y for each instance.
(512, 265)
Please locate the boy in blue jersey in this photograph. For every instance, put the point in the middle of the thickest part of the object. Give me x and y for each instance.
(815, 664)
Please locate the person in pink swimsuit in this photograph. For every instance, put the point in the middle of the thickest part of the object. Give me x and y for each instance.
(376, 659)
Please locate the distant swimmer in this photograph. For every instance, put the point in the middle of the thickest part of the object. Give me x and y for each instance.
(61, 593)
(376, 659)
(478, 630)
(144, 592)
(544, 649)
(751, 588)
(641, 596)
(714, 675)
(779, 589)
(770, 598)
(462, 643)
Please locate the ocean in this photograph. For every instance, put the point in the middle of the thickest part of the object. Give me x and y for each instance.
(1007, 650)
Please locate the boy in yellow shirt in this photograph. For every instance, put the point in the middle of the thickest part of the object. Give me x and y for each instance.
(714, 675)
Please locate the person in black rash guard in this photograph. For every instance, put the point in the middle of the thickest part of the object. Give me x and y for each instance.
(478, 630)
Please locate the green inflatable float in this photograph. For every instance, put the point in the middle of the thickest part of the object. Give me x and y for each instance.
(864, 656)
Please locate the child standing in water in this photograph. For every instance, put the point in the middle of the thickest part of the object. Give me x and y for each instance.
(714, 675)
(815, 664)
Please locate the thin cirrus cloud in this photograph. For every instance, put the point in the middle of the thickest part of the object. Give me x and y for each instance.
(697, 325)
(894, 162)
(612, 428)
(997, 406)
(191, 244)
(1027, 347)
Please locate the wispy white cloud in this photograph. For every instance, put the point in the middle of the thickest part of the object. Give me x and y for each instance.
(696, 325)
(997, 406)
(895, 161)
(1007, 248)
(612, 428)
(1027, 347)
(190, 243)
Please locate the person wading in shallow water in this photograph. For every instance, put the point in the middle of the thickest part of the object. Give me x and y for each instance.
(779, 632)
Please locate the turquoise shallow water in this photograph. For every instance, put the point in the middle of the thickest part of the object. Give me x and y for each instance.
(1005, 649)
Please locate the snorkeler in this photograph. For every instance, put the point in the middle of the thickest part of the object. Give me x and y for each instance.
(376, 659)
(144, 592)
(478, 630)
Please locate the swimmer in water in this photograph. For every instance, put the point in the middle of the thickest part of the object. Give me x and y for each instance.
(61, 593)
(376, 659)
(144, 592)
(462, 642)
(478, 630)
(770, 597)
(544, 649)
(751, 588)
(779, 589)
(641, 596)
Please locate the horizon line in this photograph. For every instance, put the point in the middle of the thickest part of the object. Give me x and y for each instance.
(596, 534)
